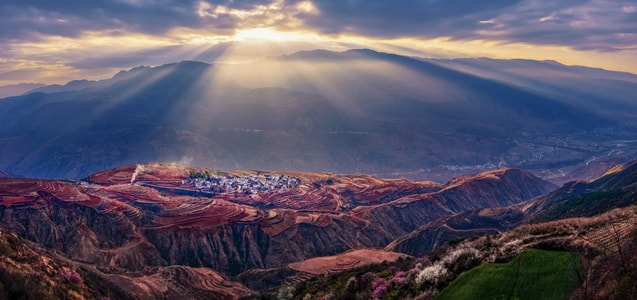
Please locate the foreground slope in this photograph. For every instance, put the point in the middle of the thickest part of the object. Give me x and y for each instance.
(605, 243)
(595, 221)
(534, 274)
(615, 189)
(29, 271)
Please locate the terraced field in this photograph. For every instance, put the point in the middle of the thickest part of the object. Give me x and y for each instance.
(317, 200)
(134, 217)
(609, 237)
(345, 261)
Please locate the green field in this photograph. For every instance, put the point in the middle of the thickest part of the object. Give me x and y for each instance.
(534, 274)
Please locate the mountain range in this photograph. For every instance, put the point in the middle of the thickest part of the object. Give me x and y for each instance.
(357, 111)
(18, 89)
(321, 175)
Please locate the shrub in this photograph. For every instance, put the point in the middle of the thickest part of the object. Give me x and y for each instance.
(71, 276)
(399, 278)
(380, 288)
(432, 273)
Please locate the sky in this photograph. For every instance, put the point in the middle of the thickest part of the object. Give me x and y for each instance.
(47, 41)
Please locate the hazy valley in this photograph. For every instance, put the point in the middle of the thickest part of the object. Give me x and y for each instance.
(322, 175)
(318, 150)
(358, 111)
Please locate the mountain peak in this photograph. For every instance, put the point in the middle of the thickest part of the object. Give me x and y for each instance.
(192, 63)
(322, 54)
(125, 74)
(366, 51)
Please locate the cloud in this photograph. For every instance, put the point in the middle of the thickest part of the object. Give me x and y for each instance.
(30, 19)
(88, 38)
(20, 75)
(582, 25)
(605, 25)
(585, 25)
(186, 160)
(27, 19)
(405, 18)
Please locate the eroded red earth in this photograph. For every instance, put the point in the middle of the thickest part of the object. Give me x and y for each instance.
(243, 223)
(168, 194)
(345, 261)
(317, 199)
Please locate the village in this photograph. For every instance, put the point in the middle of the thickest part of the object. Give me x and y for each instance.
(250, 184)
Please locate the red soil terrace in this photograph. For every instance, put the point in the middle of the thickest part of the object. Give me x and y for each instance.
(317, 199)
(345, 261)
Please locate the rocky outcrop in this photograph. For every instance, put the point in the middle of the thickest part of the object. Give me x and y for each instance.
(29, 271)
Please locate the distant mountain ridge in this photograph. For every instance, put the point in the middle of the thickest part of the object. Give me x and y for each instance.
(77, 85)
(17, 89)
(358, 111)
(583, 86)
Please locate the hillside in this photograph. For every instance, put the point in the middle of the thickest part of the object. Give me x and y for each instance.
(533, 261)
(595, 220)
(134, 217)
(265, 229)
(616, 189)
(357, 111)
(28, 271)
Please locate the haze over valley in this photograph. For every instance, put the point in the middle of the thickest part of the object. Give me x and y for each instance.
(358, 111)
(318, 149)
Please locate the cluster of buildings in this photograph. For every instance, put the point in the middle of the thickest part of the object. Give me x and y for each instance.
(485, 166)
(242, 184)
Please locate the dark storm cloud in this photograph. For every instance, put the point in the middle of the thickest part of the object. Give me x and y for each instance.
(604, 25)
(585, 25)
(428, 18)
(22, 19)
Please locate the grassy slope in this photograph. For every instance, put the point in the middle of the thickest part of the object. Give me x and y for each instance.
(542, 275)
